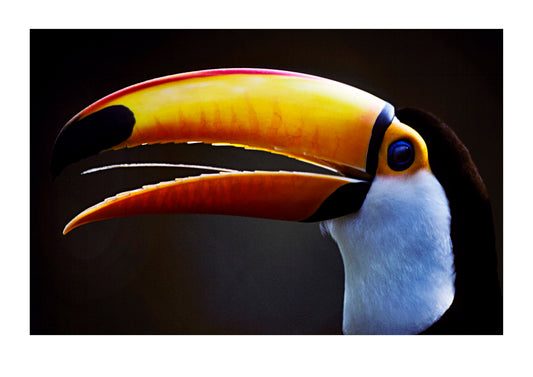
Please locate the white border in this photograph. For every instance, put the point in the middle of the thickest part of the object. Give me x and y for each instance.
(92, 355)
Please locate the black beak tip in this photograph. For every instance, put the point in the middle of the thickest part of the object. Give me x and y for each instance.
(90, 135)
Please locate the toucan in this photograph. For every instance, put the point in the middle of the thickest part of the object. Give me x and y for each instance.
(402, 198)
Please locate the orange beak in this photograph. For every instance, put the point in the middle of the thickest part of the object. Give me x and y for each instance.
(301, 116)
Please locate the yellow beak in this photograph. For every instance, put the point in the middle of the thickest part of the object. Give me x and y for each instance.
(301, 116)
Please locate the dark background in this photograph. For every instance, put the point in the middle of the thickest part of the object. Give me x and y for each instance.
(192, 274)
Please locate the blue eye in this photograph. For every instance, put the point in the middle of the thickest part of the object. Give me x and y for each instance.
(401, 155)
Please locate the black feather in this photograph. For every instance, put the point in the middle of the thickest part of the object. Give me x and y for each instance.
(477, 307)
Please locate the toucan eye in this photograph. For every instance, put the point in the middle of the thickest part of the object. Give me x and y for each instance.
(401, 155)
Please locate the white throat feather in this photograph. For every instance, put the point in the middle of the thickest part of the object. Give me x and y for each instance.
(397, 254)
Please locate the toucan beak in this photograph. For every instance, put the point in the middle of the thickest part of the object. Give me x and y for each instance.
(301, 116)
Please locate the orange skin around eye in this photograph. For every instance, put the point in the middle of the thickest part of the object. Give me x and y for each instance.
(399, 131)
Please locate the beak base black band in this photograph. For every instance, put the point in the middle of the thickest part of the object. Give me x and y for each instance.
(345, 200)
(383, 121)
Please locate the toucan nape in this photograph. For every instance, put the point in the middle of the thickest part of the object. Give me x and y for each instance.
(405, 203)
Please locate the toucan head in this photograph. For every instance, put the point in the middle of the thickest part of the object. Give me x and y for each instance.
(346, 130)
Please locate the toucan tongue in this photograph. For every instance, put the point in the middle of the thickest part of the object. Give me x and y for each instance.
(272, 195)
